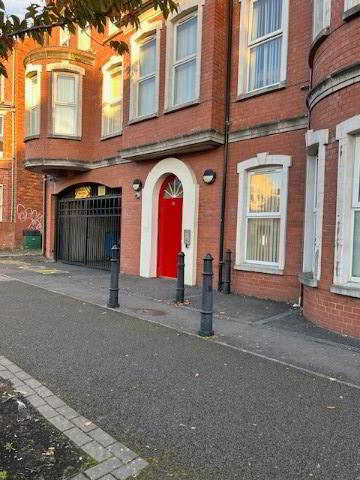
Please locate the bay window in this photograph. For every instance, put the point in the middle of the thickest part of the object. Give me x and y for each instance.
(183, 67)
(263, 44)
(262, 206)
(321, 16)
(112, 107)
(66, 111)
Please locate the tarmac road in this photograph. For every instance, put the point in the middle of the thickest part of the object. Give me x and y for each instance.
(196, 410)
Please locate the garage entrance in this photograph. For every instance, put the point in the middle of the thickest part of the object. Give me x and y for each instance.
(88, 225)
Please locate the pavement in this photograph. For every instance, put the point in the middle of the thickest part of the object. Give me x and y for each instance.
(270, 397)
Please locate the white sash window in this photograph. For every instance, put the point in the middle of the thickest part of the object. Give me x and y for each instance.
(263, 44)
(262, 207)
(84, 38)
(32, 84)
(112, 108)
(321, 15)
(185, 57)
(263, 217)
(146, 84)
(66, 104)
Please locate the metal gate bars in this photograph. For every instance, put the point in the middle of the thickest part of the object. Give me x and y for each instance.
(87, 229)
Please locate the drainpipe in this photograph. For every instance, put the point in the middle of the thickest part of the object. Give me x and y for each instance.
(44, 214)
(226, 134)
(13, 143)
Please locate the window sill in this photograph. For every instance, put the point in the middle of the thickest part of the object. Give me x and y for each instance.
(349, 289)
(112, 135)
(351, 13)
(144, 118)
(64, 137)
(31, 137)
(318, 40)
(182, 106)
(249, 267)
(262, 91)
(308, 279)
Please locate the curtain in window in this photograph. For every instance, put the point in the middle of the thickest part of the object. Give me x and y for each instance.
(185, 62)
(186, 39)
(265, 64)
(266, 17)
(147, 74)
(263, 240)
(112, 107)
(65, 108)
(263, 222)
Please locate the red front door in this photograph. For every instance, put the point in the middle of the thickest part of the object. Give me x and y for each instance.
(170, 220)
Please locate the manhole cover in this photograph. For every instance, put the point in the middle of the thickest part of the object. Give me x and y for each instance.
(149, 311)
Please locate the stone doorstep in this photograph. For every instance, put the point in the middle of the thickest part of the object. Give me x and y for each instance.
(115, 460)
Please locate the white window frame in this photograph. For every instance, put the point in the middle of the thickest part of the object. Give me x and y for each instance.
(347, 133)
(115, 64)
(326, 17)
(316, 142)
(2, 128)
(244, 169)
(1, 202)
(84, 33)
(348, 4)
(186, 10)
(78, 72)
(245, 44)
(148, 31)
(30, 72)
(65, 36)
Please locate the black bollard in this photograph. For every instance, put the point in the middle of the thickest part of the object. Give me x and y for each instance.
(114, 277)
(226, 286)
(180, 289)
(206, 327)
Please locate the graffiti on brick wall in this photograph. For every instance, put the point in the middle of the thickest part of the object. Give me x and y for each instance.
(30, 217)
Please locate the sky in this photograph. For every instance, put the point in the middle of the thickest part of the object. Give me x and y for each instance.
(16, 7)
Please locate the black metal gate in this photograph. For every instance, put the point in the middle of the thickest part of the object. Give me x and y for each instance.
(87, 228)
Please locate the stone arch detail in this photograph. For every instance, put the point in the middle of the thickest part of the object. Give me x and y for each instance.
(150, 214)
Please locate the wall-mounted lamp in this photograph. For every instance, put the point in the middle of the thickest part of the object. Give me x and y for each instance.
(209, 176)
(137, 185)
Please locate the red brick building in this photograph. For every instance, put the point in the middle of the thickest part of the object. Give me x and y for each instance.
(227, 126)
(21, 196)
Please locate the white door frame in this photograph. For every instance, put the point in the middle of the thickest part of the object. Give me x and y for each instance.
(150, 216)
